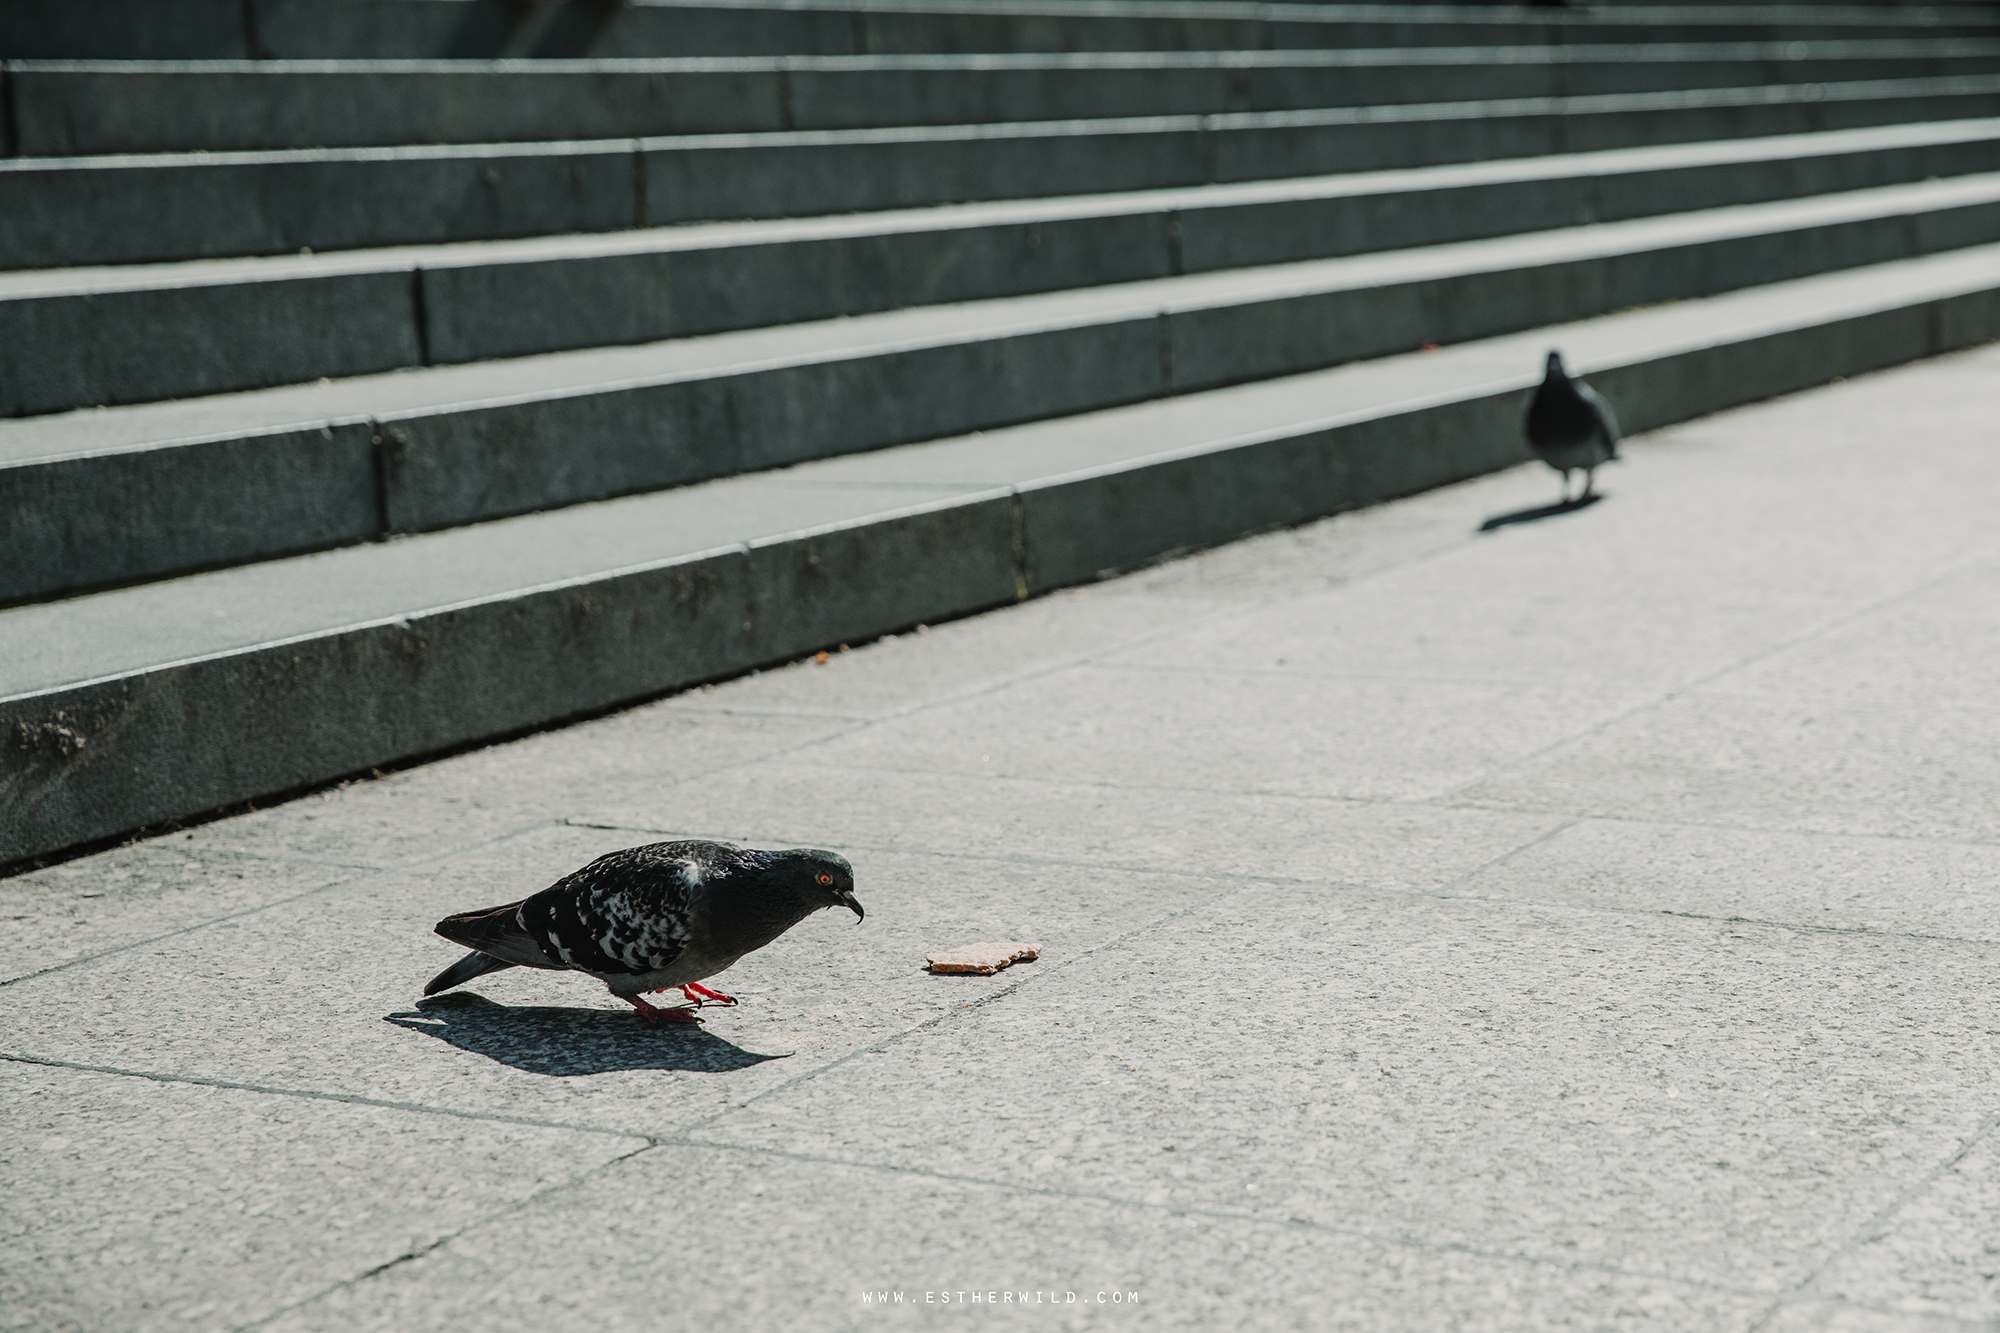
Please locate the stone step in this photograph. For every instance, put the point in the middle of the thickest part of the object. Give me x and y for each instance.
(165, 700)
(79, 108)
(378, 29)
(61, 212)
(139, 333)
(118, 494)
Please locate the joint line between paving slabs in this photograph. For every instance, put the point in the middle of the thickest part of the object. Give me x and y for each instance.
(1875, 1226)
(1804, 927)
(1937, 1318)
(68, 963)
(803, 715)
(1218, 1214)
(415, 1108)
(1310, 674)
(1709, 825)
(1447, 890)
(440, 1242)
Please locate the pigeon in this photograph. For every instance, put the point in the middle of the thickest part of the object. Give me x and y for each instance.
(648, 919)
(1571, 427)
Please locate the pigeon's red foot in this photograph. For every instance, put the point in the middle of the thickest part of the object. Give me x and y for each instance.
(656, 1015)
(697, 992)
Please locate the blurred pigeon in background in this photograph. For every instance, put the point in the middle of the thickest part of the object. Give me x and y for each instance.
(1571, 427)
(647, 919)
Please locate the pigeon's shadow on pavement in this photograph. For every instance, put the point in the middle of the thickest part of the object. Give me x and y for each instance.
(1536, 515)
(566, 1043)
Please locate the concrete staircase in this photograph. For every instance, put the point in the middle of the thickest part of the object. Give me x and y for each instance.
(383, 376)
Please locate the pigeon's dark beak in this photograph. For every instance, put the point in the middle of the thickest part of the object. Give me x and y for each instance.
(847, 900)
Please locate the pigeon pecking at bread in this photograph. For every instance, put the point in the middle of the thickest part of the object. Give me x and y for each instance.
(666, 916)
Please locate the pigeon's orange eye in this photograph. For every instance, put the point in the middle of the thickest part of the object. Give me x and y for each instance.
(826, 879)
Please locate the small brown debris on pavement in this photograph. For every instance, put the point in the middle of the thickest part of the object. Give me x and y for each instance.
(983, 959)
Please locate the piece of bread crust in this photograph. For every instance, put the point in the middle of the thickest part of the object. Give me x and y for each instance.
(983, 959)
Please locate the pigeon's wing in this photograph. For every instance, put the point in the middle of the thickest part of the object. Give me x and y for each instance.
(1607, 420)
(499, 933)
(628, 912)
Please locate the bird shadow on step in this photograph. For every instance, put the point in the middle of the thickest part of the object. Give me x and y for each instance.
(566, 1043)
(1536, 515)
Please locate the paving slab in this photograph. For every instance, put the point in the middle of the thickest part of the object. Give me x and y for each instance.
(133, 1204)
(1789, 524)
(1689, 1099)
(1895, 885)
(1936, 1252)
(1241, 731)
(1915, 770)
(51, 918)
(964, 1250)
(1423, 624)
(1937, 644)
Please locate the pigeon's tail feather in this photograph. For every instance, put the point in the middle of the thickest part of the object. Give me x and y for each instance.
(488, 926)
(474, 964)
(498, 932)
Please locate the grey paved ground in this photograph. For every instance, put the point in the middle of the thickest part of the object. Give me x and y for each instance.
(1591, 924)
